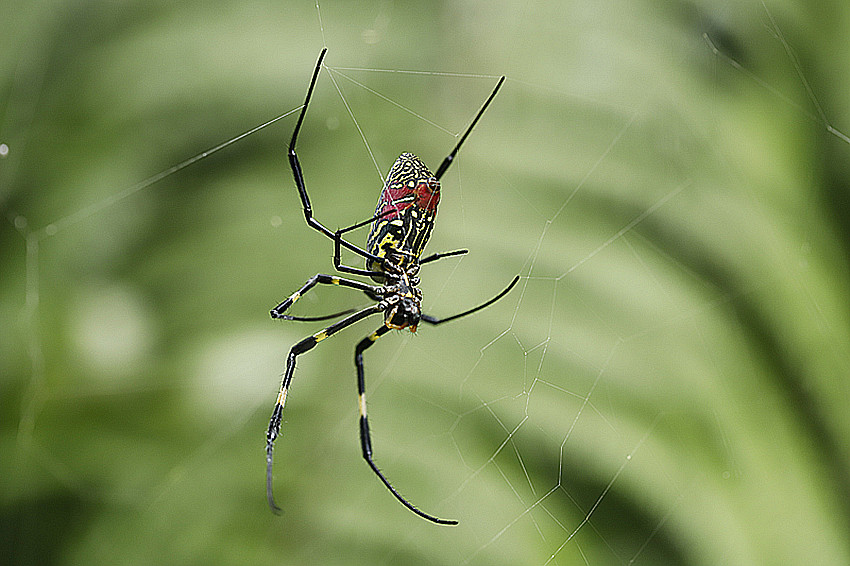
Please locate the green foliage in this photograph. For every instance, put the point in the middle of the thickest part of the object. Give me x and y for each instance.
(666, 385)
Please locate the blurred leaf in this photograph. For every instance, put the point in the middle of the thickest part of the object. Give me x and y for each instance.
(666, 385)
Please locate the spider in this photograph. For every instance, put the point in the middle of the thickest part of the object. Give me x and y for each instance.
(399, 231)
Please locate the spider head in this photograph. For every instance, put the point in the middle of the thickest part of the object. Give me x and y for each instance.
(404, 313)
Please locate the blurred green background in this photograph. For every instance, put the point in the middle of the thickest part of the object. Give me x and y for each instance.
(667, 384)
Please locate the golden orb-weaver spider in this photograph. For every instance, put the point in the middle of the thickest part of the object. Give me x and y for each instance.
(400, 229)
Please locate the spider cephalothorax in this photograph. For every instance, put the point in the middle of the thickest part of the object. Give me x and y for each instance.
(402, 299)
(401, 227)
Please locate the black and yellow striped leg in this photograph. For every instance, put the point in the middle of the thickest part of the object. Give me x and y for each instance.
(277, 414)
(365, 438)
(282, 307)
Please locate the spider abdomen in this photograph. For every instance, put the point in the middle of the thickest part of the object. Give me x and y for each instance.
(406, 211)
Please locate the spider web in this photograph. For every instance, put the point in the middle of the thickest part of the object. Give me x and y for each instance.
(602, 413)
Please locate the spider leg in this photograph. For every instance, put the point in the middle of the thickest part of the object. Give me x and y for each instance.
(451, 156)
(441, 255)
(338, 249)
(277, 312)
(434, 320)
(320, 318)
(365, 437)
(299, 176)
(277, 414)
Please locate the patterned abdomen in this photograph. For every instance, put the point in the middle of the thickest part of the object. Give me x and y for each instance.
(411, 194)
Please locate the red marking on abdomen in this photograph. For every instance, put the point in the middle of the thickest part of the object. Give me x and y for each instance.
(428, 195)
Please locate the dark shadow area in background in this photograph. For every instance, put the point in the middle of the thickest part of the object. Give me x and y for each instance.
(59, 518)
